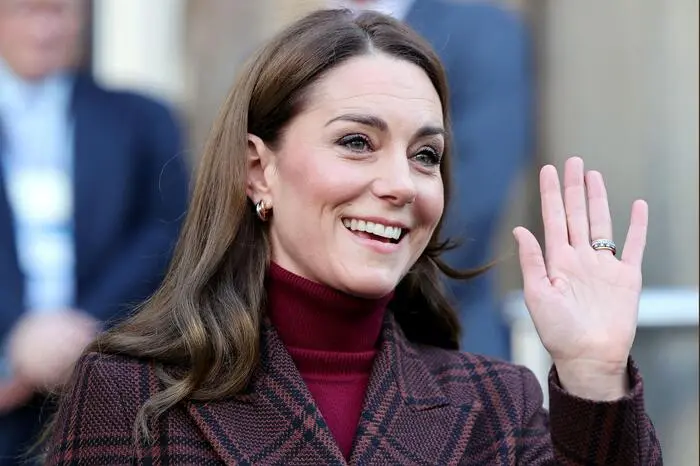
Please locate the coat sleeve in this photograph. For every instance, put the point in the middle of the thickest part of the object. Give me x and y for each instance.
(91, 427)
(579, 432)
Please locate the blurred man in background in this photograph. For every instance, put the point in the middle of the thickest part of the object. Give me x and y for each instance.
(486, 52)
(92, 189)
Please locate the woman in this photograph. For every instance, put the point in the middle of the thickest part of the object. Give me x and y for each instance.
(302, 320)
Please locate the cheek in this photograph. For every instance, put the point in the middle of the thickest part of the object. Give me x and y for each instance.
(14, 36)
(431, 204)
(70, 34)
(298, 178)
(319, 177)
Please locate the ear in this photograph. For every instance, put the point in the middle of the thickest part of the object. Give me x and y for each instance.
(260, 170)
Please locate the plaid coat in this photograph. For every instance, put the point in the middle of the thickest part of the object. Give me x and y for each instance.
(424, 406)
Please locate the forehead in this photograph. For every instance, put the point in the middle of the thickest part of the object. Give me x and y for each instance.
(378, 83)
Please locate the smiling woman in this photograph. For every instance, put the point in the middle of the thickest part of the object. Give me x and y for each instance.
(376, 160)
(302, 320)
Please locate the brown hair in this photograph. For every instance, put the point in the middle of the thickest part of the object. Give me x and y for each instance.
(206, 315)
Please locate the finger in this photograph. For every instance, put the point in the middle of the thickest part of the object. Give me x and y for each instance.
(575, 203)
(532, 263)
(553, 214)
(636, 240)
(598, 208)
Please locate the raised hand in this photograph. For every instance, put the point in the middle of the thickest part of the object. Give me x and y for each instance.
(583, 302)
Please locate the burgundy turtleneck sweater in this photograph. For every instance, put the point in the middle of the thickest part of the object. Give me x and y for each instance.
(332, 338)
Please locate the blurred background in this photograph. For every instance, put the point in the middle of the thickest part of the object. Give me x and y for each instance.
(614, 82)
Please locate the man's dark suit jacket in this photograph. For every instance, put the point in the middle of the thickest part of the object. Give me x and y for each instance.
(424, 406)
(485, 51)
(130, 187)
(130, 193)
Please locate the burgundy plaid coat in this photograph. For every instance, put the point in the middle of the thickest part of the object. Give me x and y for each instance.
(424, 406)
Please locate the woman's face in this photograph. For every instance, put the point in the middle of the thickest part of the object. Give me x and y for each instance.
(355, 182)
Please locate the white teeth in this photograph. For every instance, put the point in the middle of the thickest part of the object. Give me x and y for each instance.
(373, 228)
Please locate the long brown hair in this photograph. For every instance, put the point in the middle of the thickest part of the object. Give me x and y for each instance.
(206, 315)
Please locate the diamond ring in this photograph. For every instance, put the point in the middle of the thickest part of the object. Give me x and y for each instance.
(604, 245)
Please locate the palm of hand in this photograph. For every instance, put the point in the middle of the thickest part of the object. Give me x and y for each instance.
(583, 302)
(591, 304)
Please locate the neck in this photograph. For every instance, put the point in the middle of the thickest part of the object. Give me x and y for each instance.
(308, 315)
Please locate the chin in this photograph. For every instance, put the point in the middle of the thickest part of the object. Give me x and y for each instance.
(32, 73)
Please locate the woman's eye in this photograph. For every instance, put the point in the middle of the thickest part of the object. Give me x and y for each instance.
(428, 156)
(355, 142)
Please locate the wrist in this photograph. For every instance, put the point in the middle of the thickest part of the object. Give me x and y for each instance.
(593, 380)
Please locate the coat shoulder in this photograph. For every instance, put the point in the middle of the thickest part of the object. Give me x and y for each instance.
(112, 365)
(106, 383)
(97, 412)
(130, 379)
(86, 86)
(121, 108)
(97, 358)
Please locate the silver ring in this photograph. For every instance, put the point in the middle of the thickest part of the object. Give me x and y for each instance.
(604, 245)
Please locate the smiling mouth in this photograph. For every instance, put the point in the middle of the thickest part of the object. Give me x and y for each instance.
(375, 231)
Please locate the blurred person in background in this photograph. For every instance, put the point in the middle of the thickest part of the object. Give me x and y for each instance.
(485, 49)
(92, 188)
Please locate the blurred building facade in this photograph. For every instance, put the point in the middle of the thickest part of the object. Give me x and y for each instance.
(617, 84)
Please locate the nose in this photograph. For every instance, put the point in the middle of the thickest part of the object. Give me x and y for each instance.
(394, 181)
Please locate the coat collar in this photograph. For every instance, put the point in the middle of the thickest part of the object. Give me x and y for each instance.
(406, 417)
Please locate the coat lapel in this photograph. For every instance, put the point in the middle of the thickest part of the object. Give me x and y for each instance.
(11, 277)
(277, 423)
(91, 138)
(407, 419)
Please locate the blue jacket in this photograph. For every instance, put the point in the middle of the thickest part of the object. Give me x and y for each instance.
(485, 50)
(130, 194)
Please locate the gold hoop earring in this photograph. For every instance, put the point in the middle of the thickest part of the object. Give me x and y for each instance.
(262, 210)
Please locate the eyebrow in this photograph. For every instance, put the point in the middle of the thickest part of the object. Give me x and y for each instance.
(381, 125)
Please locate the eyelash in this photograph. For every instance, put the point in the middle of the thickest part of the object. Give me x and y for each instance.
(432, 152)
(345, 141)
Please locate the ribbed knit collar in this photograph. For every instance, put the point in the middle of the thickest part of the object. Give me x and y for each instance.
(312, 316)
